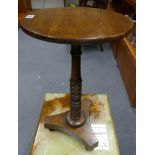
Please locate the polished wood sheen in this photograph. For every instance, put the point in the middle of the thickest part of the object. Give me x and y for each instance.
(77, 25)
(83, 133)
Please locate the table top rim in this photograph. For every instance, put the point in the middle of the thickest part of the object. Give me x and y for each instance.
(77, 40)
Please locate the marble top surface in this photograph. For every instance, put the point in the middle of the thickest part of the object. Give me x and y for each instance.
(56, 143)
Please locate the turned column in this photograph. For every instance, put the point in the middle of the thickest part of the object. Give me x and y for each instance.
(75, 117)
(76, 121)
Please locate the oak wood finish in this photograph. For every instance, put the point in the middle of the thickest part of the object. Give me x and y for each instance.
(77, 25)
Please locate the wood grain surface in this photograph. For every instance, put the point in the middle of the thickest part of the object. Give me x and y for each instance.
(127, 65)
(76, 25)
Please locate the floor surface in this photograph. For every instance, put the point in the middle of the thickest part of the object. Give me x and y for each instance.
(45, 67)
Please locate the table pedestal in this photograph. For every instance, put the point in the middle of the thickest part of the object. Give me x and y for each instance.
(75, 122)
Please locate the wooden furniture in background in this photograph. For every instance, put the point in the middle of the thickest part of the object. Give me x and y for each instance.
(76, 26)
(94, 3)
(124, 52)
(24, 6)
(126, 60)
(65, 3)
(132, 3)
(125, 55)
(123, 6)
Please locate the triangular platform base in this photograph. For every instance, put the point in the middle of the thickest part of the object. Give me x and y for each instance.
(83, 133)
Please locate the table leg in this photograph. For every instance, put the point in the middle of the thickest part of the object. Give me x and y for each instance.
(75, 122)
(80, 2)
(76, 118)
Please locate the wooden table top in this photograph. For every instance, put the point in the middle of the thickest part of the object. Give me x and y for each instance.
(76, 25)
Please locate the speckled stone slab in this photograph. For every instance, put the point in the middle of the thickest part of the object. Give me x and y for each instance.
(57, 143)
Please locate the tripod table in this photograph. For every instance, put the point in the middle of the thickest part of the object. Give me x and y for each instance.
(76, 26)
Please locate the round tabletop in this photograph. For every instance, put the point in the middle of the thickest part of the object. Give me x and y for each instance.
(76, 25)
